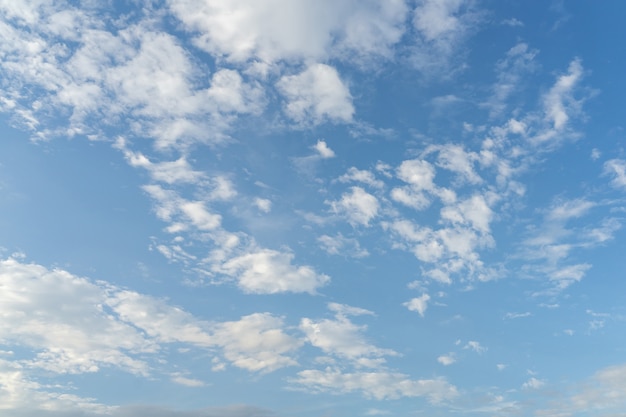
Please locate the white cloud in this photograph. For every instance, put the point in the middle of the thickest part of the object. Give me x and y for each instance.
(533, 383)
(263, 204)
(513, 22)
(617, 169)
(518, 62)
(73, 325)
(418, 173)
(456, 159)
(419, 304)
(570, 209)
(256, 342)
(474, 212)
(199, 216)
(517, 315)
(188, 382)
(266, 271)
(324, 151)
(567, 275)
(377, 385)
(363, 176)
(340, 245)
(446, 360)
(223, 189)
(316, 95)
(247, 30)
(475, 346)
(442, 26)
(340, 337)
(410, 197)
(377, 412)
(560, 105)
(358, 206)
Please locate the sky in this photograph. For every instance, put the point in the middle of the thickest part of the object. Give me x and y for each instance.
(295, 208)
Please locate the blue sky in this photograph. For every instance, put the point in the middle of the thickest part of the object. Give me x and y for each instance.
(312, 208)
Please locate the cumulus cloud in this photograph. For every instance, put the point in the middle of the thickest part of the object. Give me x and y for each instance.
(315, 95)
(342, 338)
(446, 360)
(419, 304)
(263, 204)
(357, 205)
(74, 325)
(323, 150)
(266, 271)
(247, 30)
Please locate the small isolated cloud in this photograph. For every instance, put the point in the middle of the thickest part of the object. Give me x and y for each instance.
(513, 22)
(377, 412)
(188, 382)
(595, 154)
(316, 95)
(475, 346)
(447, 360)
(501, 366)
(533, 383)
(517, 315)
(324, 151)
(419, 304)
(263, 204)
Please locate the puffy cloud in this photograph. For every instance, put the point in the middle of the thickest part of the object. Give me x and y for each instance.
(315, 95)
(256, 342)
(324, 151)
(74, 325)
(287, 30)
(474, 212)
(446, 360)
(418, 173)
(266, 271)
(419, 304)
(357, 205)
(340, 337)
(263, 204)
(456, 159)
